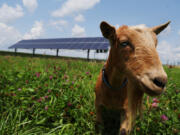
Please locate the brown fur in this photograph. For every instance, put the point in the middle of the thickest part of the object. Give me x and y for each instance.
(139, 63)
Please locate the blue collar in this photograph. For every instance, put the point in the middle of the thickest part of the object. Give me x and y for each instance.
(105, 80)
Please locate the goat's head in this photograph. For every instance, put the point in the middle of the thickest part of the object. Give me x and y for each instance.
(133, 51)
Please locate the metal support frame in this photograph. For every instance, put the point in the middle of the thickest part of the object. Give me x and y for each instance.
(15, 50)
(88, 51)
(57, 51)
(34, 51)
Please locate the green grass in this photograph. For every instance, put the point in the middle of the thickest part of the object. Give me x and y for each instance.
(56, 96)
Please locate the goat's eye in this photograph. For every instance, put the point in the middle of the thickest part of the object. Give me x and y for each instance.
(125, 43)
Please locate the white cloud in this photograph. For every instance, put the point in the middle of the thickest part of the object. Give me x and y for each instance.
(74, 6)
(8, 14)
(78, 31)
(36, 31)
(179, 32)
(31, 5)
(79, 18)
(8, 36)
(168, 53)
(59, 24)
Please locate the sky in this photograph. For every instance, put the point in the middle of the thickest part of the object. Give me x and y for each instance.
(32, 19)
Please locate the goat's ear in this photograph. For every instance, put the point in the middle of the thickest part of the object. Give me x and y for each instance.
(107, 30)
(159, 28)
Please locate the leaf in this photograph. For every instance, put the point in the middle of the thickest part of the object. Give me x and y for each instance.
(30, 89)
(41, 121)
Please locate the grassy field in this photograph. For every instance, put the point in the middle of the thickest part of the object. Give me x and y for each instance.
(56, 96)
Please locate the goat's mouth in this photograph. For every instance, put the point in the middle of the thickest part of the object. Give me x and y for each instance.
(151, 86)
(151, 92)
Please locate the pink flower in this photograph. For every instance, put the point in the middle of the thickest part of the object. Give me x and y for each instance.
(155, 100)
(50, 77)
(69, 104)
(46, 97)
(164, 117)
(46, 108)
(19, 89)
(40, 99)
(154, 105)
(38, 74)
(87, 73)
(49, 90)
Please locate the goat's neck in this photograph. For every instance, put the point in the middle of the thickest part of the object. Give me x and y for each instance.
(115, 75)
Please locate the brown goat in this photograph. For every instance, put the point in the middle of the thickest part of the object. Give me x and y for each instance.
(132, 69)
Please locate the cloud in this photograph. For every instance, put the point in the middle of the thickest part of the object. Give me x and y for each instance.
(59, 24)
(78, 31)
(31, 5)
(179, 32)
(36, 31)
(74, 6)
(79, 18)
(9, 14)
(168, 53)
(8, 35)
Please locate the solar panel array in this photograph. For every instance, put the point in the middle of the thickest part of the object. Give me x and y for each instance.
(92, 43)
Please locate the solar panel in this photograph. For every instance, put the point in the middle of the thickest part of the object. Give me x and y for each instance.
(92, 43)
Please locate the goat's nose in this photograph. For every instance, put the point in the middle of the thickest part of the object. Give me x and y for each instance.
(160, 81)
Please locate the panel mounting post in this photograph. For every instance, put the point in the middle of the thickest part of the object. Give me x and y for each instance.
(34, 51)
(88, 54)
(57, 51)
(15, 50)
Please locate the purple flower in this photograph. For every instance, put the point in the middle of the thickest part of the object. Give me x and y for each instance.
(19, 89)
(46, 108)
(164, 117)
(40, 99)
(50, 77)
(49, 90)
(87, 73)
(72, 82)
(38, 74)
(154, 105)
(155, 100)
(69, 104)
(46, 97)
